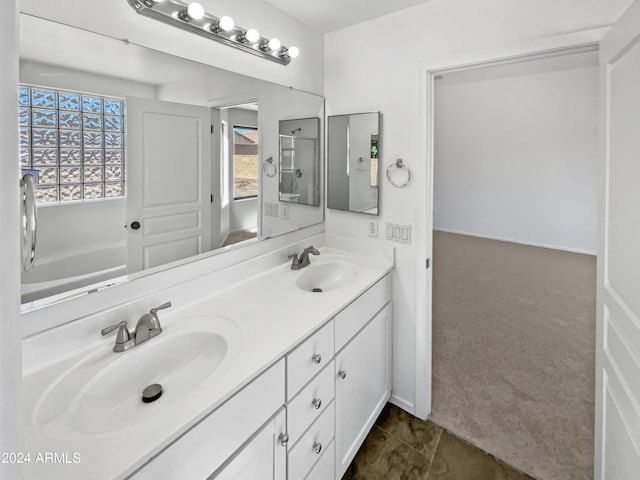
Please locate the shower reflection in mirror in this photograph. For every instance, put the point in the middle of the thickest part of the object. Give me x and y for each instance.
(299, 161)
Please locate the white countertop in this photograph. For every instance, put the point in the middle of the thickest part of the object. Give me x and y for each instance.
(272, 316)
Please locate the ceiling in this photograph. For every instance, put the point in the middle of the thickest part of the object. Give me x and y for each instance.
(329, 15)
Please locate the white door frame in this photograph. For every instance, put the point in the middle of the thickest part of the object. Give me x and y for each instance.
(424, 221)
(11, 324)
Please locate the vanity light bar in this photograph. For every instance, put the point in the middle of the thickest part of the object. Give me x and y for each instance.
(193, 18)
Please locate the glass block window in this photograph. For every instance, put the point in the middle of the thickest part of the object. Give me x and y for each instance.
(74, 141)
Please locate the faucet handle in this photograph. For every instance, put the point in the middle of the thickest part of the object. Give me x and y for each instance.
(123, 338)
(153, 311)
(111, 328)
(153, 320)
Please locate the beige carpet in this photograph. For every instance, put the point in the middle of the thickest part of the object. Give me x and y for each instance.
(513, 352)
(238, 236)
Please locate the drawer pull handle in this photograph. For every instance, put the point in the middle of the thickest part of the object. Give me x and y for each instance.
(316, 358)
(317, 447)
(317, 403)
(342, 374)
(284, 439)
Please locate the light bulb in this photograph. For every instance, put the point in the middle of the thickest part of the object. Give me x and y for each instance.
(293, 52)
(195, 11)
(226, 23)
(252, 35)
(274, 44)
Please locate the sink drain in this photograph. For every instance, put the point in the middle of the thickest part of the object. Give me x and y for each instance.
(152, 393)
(316, 290)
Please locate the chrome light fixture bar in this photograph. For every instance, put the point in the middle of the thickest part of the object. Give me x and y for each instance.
(193, 18)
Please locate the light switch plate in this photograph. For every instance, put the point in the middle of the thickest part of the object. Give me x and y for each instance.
(373, 228)
(396, 232)
(285, 212)
(270, 209)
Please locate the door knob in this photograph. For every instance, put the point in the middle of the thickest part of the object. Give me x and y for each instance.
(342, 374)
(135, 225)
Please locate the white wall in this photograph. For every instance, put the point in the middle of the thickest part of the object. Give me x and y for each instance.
(79, 227)
(244, 214)
(117, 19)
(389, 76)
(516, 157)
(36, 73)
(10, 345)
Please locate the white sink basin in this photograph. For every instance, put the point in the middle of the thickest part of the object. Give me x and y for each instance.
(327, 276)
(103, 394)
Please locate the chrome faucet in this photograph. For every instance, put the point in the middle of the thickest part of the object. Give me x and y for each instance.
(303, 261)
(148, 326)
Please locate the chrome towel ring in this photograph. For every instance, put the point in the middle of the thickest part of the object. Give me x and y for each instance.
(29, 221)
(398, 174)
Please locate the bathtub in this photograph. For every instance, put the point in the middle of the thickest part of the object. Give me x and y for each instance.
(52, 276)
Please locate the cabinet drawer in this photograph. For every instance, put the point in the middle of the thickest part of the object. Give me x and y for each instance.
(324, 469)
(307, 451)
(205, 447)
(310, 403)
(308, 359)
(361, 310)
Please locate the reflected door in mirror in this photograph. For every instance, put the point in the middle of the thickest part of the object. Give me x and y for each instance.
(169, 182)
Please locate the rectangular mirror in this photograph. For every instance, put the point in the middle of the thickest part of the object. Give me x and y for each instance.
(300, 161)
(145, 160)
(353, 175)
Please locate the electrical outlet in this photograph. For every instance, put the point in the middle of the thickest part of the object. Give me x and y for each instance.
(373, 228)
(285, 212)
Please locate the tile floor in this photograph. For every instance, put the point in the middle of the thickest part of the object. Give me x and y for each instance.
(402, 447)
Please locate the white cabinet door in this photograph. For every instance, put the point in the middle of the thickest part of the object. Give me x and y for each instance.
(363, 386)
(262, 458)
(618, 311)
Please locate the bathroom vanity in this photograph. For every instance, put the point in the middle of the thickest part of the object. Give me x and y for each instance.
(262, 377)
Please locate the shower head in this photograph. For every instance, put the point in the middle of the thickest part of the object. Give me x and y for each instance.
(293, 132)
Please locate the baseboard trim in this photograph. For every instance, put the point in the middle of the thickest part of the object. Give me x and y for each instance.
(403, 404)
(522, 242)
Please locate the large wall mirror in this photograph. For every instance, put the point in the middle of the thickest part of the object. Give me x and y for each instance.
(353, 174)
(145, 160)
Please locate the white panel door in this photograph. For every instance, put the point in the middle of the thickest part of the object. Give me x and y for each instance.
(617, 452)
(168, 182)
(363, 386)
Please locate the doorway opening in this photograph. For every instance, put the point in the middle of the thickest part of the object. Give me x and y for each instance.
(514, 241)
(239, 173)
